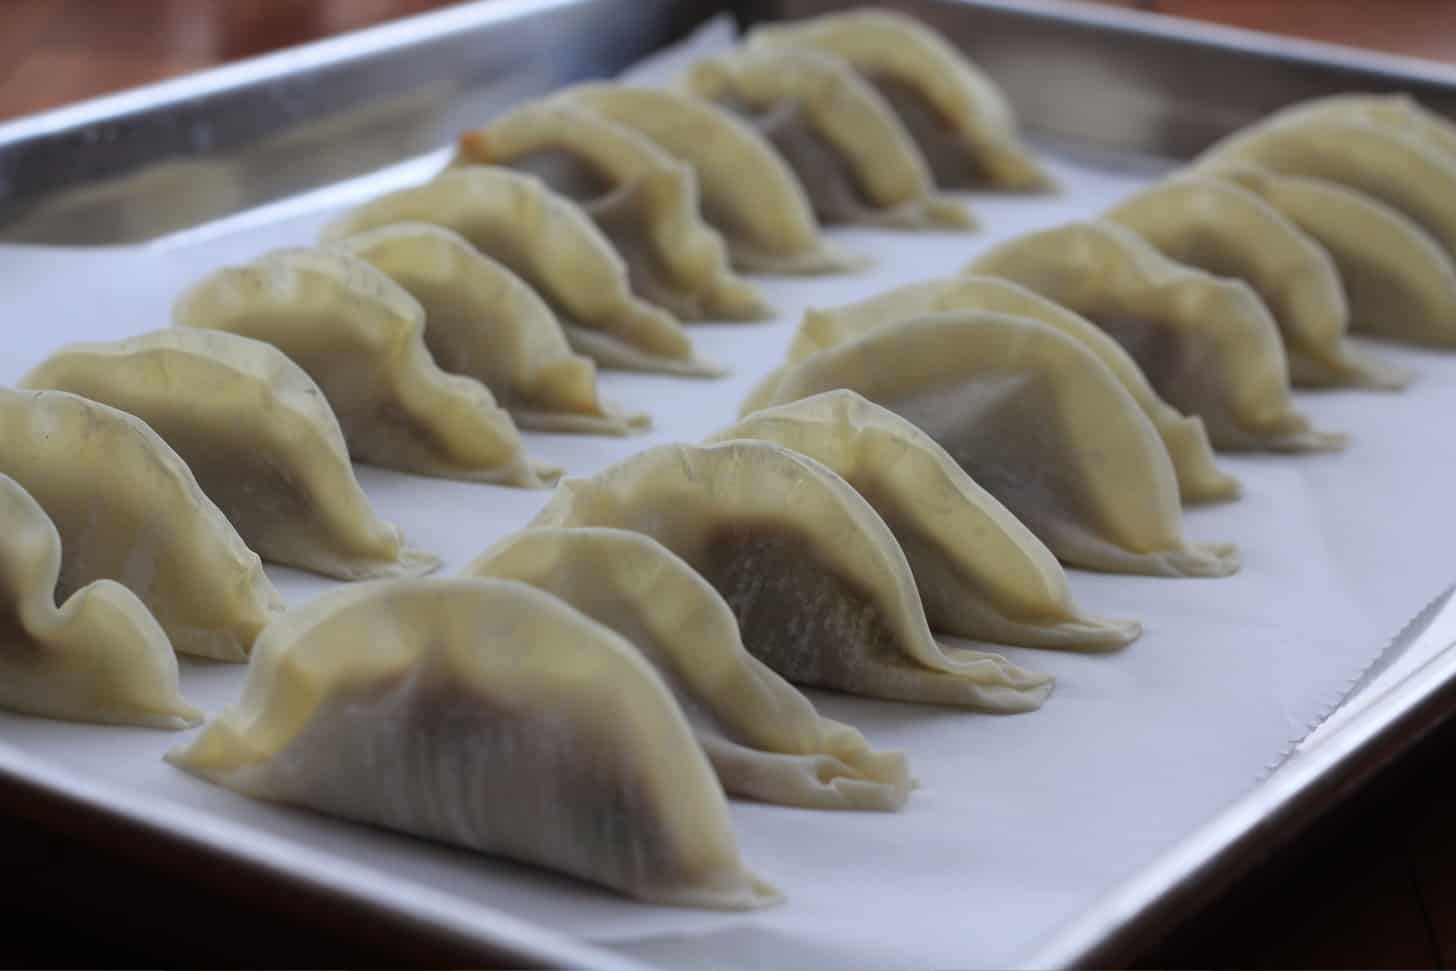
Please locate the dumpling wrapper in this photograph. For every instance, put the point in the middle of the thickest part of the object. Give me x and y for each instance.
(259, 437)
(748, 192)
(763, 738)
(821, 590)
(1220, 227)
(1360, 149)
(488, 715)
(981, 574)
(851, 153)
(957, 115)
(643, 199)
(546, 240)
(483, 321)
(100, 657)
(1199, 478)
(1398, 281)
(1039, 422)
(1208, 345)
(128, 509)
(361, 338)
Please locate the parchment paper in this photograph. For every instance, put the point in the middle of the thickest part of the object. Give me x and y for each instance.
(1021, 821)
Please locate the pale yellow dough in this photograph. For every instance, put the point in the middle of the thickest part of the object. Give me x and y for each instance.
(100, 657)
(361, 338)
(489, 715)
(483, 321)
(763, 738)
(128, 509)
(958, 116)
(821, 590)
(643, 199)
(1039, 422)
(981, 574)
(1208, 345)
(258, 435)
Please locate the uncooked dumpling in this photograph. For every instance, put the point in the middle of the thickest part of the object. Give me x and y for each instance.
(1219, 227)
(1357, 149)
(748, 192)
(643, 199)
(821, 590)
(362, 339)
(850, 152)
(258, 435)
(763, 738)
(101, 657)
(960, 119)
(483, 321)
(547, 241)
(1398, 280)
(128, 509)
(489, 715)
(1199, 478)
(980, 572)
(1208, 345)
(1038, 422)
(1396, 112)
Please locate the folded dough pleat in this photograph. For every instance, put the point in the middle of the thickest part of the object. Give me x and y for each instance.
(483, 321)
(1199, 478)
(763, 738)
(1038, 422)
(981, 574)
(128, 509)
(748, 193)
(545, 239)
(958, 116)
(100, 657)
(488, 715)
(1398, 281)
(361, 338)
(1217, 226)
(258, 435)
(851, 153)
(1347, 143)
(1208, 345)
(643, 199)
(821, 590)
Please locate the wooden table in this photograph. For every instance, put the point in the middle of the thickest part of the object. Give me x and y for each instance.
(1376, 888)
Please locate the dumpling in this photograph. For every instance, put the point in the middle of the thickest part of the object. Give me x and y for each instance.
(488, 715)
(258, 435)
(821, 590)
(1039, 422)
(547, 241)
(1357, 148)
(1199, 478)
(852, 155)
(128, 509)
(748, 193)
(101, 657)
(981, 574)
(763, 738)
(1219, 227)
(1398, 281)
(361, 338)
(957, 115)
(483, 321)
(1208, 345)
(644, 200)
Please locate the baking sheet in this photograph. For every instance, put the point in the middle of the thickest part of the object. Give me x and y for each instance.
(1021, 821)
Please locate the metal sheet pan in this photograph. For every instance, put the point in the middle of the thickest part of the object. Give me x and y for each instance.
(168, 156)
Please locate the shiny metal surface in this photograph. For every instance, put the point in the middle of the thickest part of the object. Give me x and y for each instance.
(166, 156)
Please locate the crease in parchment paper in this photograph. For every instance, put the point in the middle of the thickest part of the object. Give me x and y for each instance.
(1021, 822)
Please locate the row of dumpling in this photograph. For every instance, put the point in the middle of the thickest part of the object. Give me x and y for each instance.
(587, 692)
